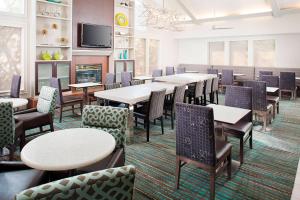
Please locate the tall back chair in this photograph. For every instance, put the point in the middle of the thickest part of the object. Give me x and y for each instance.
(180, 70)
(208, 89)
(240, 97)
(137, 82)
(260, 104)
(110, 78)
(287, 83)
(157, 73)
(263, 73)
(215, 90)
(112, 86)
(272, 81)
(196, 143)
(126, 77)
(227, 77)
(195, 92)
(170, 71)
(213, 71)
(114, 183)
(15, 86)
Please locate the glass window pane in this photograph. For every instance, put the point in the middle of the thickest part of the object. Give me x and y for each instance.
(216, 53)
(10, 55)
(12, 6)
(44, 75)
(63, 74)
(153, 54)
(140, 56)
(264, 53)
(239, 53)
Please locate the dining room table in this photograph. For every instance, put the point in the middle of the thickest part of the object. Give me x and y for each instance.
(84, 87)
(16, 102)
(186, 78)
(272, 89)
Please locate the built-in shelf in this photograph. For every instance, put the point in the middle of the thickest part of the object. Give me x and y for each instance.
(53, 3)
(124, 27)
(125, 36)
(52, 46)
(122, 6)
(90, 52)
(51, 17)
(53, 61)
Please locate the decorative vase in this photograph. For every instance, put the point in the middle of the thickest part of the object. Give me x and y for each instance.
(120, 55)
(125, 54)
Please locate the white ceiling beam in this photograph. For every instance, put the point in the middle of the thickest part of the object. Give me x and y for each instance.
(186, 10)
(275, 8)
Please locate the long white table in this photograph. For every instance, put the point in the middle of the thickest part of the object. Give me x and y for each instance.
(186, 78)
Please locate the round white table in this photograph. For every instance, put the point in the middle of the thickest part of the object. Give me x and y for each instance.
(68, 149)
(17, 102)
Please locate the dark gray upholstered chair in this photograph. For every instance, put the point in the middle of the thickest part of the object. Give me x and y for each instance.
(272, 81)
(170, 71)
(15, 86)
(126, 77)
(240, 97)
(177, 97)
(260, 104)
(227, 78)
(263, 73)
(110, 87)
(213, 71)
(137, 82)
(195, 92)
(157, 73)
(180, 70)
(287, 83)
(110, 78)
(65, 101)
(208, 90)
(215, 91)
(151, 110)
(196, 143)
(16, 177)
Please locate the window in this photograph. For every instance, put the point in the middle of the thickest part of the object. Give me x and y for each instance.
(216, 53)
(140, 56)
(264, 53)
(12, 6)
(239, 53)
(153, 54)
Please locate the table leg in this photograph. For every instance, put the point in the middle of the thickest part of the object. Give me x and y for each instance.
(85, 95)
(129, 131)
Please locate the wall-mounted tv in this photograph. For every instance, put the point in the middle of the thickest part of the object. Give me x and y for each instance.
(95, 36)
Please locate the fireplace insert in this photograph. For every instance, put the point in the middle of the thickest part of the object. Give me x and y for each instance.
(89, 73)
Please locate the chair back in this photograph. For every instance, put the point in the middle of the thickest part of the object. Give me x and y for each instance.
(56, 83)
(114, 183)
(287, 81)
(215, 84)
(227, 77)
(7, 124)
(259, 94)
(107, 118)
(180, 70)
(240, 97)
(199, 87)
(112, 86)
(170, 71)
(110, 78)
(47, 100)
(157, 73)
(213, 71)
(208, 86)
(126, 77)
(263, 73)
(137, 82)
(156, 104)
(272, 81)
(195, 137)
(178, 96)
(15, 86)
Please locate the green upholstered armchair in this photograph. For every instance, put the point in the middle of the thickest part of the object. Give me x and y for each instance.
(114, 183)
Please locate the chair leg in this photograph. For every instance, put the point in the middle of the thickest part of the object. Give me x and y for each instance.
(60, 114)
(73, 112)
(136, 122)
(229, 166)
(154, 122)
(265, 121)
(41, 129)
(81, 108)
(162, 124)
(217, 94)
(51, 124)
(177, 173)
(278, 108)
(250, 140)
(241, 151)
(212, 184)
(172, 120)
(148, 129)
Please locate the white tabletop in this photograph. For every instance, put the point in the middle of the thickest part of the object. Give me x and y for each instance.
(68, 149)
(272, 89)
(17, 102)
(186, 78)
(143, 78)
(227, 114)
(134, 94)
(84, 85)
(192, 71)
(235, 74)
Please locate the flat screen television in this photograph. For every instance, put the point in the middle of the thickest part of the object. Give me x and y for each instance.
(95, 36)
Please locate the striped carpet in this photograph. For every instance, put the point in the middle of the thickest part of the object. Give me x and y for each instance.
(268, 172)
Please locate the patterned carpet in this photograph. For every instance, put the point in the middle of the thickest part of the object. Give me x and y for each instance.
(268, 172)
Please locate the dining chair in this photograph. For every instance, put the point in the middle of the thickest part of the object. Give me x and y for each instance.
(157, 73)
(227, 78)
(65, 101)
(213, 71)
(108, 102)
(195, 92)
(263, 73)
(137, 82)
(260, 105)
(196, 143)
(287, 83)
(177, 97)
(40, 116)
(15, 86)
(180, 70)
(151, 110)
(112, 120)
(272, 81)
(170, 71)
(126, 77)
(208, 85)
(110, 78)
(215, 91)
(15, 177)
(240, 97)
(113, 184)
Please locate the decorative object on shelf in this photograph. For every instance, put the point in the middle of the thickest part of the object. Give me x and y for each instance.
(121, 55)
(54, 1)
(54, 26)
(124, 3)
(122, 19)
(63, 41)
(44, 34)
(57, 56)
(125, 54)
(46, 56)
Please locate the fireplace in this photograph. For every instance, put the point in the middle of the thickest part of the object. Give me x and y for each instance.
(89, 73)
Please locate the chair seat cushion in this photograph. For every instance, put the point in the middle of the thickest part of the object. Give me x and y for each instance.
(33, 119)
(14, 182)
(273, 99)
(222, 148)
(238, 129)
